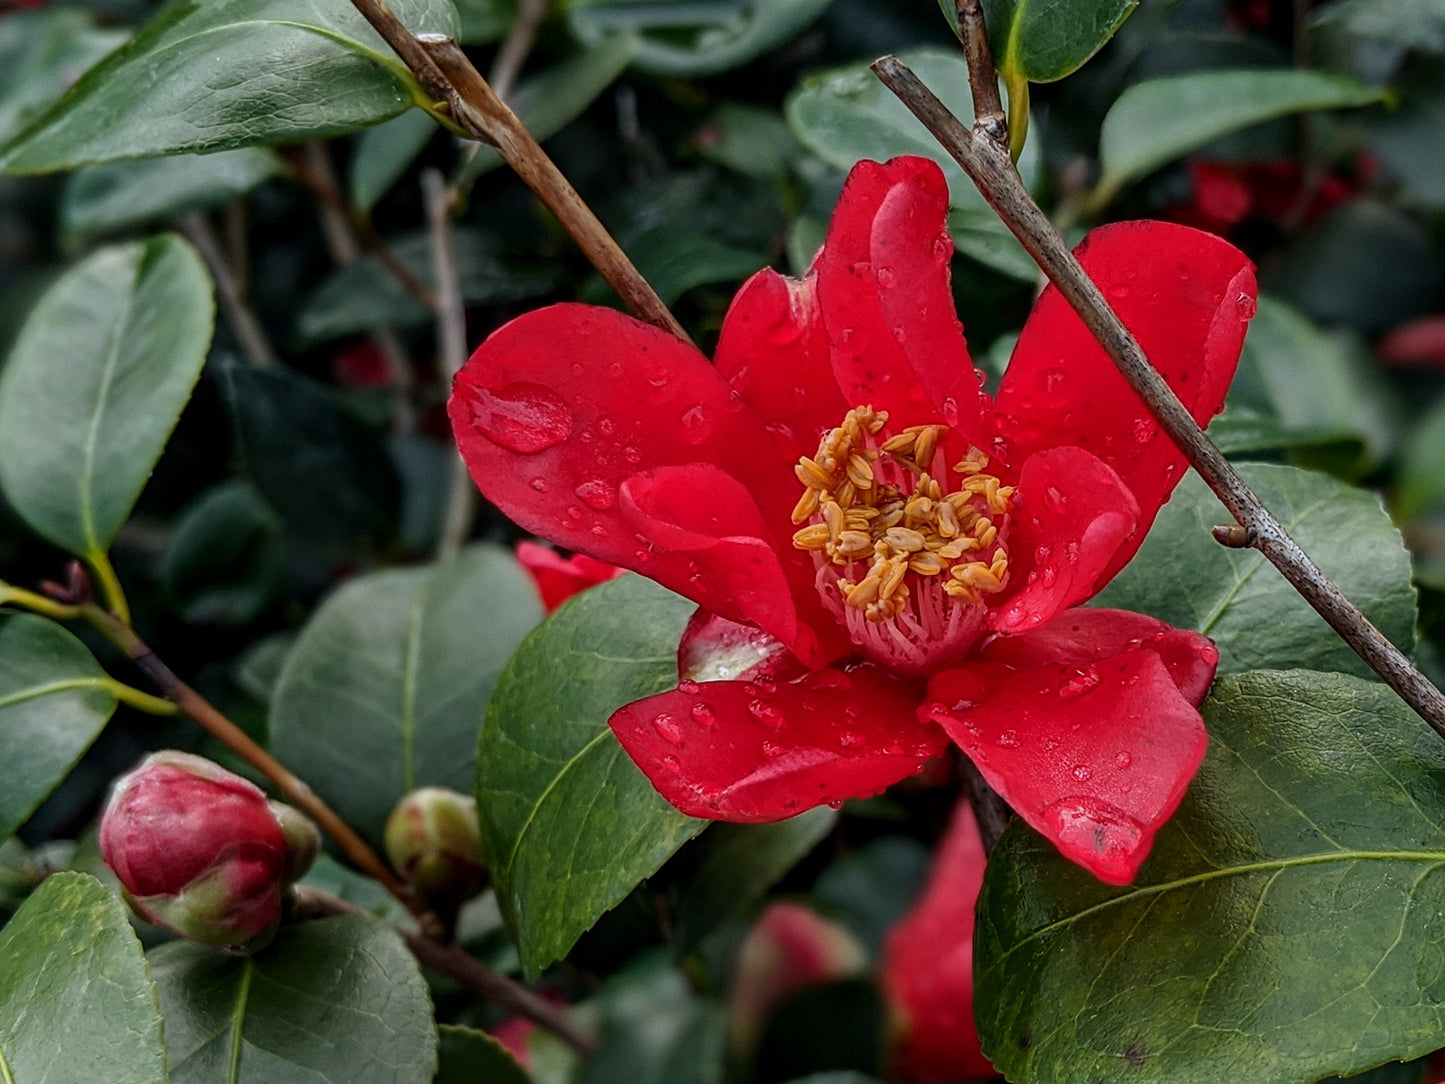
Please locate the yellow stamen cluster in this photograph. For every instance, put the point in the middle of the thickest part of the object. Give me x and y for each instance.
(856, 517)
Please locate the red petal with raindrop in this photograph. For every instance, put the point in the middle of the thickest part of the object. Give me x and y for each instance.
(774, 352)
(712, 648)
(1187, 297)
(557, 409)
(762, 751)
(1096, 756)
(1072, 516)
(883, 284)
(558, 578)
(927, 969)
(1085, 635)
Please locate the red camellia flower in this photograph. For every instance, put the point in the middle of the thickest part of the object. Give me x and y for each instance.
(884, 558)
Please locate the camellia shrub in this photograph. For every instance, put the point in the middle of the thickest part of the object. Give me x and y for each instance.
(825, 569)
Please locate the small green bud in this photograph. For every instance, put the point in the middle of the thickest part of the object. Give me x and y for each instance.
(434, 842)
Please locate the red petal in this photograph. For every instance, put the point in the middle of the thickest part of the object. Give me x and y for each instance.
(774, 352)
(713, 648)
(557, 409)
(558, 578)
(764, 751)
(1073, 515)
(883, 284)
(1187, 297)
(927, 969)
(1086, 635)
(1095, 756)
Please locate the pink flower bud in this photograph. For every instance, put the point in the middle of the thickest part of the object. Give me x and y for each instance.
(201, 851)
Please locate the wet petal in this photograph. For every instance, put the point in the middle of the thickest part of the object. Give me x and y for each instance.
(774, 352)
(713, 648)
(883, 285)
(1071, 518)
(763, 751)
(558, 578)
(1095, 757)
(927, 969)
(1083, 635)
(1187, 297)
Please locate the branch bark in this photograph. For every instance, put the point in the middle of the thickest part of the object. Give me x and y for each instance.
(984, 157)
(445, 72)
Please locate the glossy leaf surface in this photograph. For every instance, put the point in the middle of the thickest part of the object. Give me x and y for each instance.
(54, 701)
(213, 76)
(337, 1001)
(95, 384)
(569, 824)
(1182, 576)
(1040, 41)
(1287, 920)
(75, 1000)
(387, 685)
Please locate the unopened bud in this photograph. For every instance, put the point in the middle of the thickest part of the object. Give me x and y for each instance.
(200, 851)
(434, 842)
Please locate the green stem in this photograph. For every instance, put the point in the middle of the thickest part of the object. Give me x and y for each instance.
(1018, 113)
(18, 596)
(110, 585)
(152, 705)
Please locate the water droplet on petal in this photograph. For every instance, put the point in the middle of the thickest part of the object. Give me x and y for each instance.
(772, 749)
(1082, 772)
(606, 426)
(688, 687)
(1079, 683)
(949, 409)
(1118, 291)
(835, 803)
(887, 277)
(522, 417)
(597, 493)
(1009, 739)
(1246, 306)
(539, 484)
(695, 425)
(672, 764)
(1144, 430)
(1052, 379)
(573, 512)
(766, 714)
(703, 714)
(1048, 575)
(1123, 759)
(850, 739)
(1089, 826)
(667, 727)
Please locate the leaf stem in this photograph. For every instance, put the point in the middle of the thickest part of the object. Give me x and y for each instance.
(451, 960)
(445, 72)
(152, 705)
(29, 600)
(110, 586)
(199, 709)
(987, 162)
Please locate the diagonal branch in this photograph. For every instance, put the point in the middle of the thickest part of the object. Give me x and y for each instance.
(984, 157)
(445, 72)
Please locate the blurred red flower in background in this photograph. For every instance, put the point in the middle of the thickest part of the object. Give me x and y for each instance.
(837, 485)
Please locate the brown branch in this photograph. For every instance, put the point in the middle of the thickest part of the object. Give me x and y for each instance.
(234, 738)
(238, 311)
(451, 960)
(446, 73)
(986, 161)
(322, 185)
(991, 811)
(988, 115)
(511, 57)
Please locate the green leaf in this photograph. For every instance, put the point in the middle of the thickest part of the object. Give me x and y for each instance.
(1041, 41)
(1420, 483)
(387, 685)
(845, 114)
(1143, 131)
(547, 102)
(338, 1001)
(75, 1001)
(481, 22)
(569, 823)
(324, 471)
(1404, 137)
(1322, 391)
(384, 153)
(872, 887)
(225, 563)
(40, 54)
(692, 38)
(54, 701)
(230, 73)
(95, 384)
(748, 139)
(366, 295)
(1365, 264)
(675, 260)
(739, 863)
(1289, 919)
(469, 1056)
(1182, 576)
(1414, 24)
(981, 235)
(120, 196)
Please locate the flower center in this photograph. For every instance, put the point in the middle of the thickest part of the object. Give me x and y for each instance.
(902, 564)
